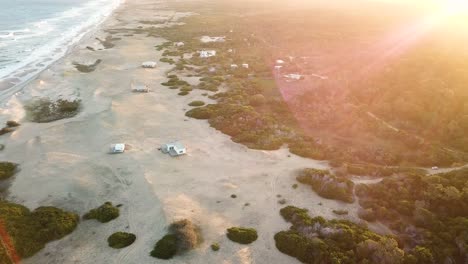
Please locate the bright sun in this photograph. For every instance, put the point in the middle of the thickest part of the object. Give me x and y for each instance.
(454, 6)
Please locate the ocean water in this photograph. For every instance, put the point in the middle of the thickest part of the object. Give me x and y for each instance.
(35, 33)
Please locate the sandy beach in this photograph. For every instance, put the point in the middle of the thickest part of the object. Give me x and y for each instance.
(65, 163)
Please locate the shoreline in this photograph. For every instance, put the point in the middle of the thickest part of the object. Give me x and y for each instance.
(8, 89)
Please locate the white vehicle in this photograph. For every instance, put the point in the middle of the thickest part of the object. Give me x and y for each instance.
(117, 148)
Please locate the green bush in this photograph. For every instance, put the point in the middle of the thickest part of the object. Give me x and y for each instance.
(215, 246)
(30, 231)
(205, 112)
(103, 213)
(340, 212)
(166, 247)
(183, 93)
(7, 169)
(6, 130)
(121, 239)
(196, 103)
(327, 185)
(242, 235)
(12, 123)
(43, 110)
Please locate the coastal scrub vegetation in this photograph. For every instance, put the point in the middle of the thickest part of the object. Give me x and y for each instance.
(87, 68)
(121, 240)
(318, 117)
(10, 126)
(196, 103)
(429, 213)
(242, 235)
(183, 236)
(29, 231)
(317, 240)
(44, 110)
(165, 248)
(327, 185)
(104, 213)
(7, 169)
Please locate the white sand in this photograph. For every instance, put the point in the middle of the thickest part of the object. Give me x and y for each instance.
(64, 163)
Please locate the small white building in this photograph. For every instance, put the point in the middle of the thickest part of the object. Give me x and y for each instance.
(179, 44)
(279, 61)
(149, 64)
(294, 76)
(234, 66)
(207, 39)
(435, 168)
(117, 148)
(207, 53)
(230, 50)
(140, 88)
(174, 149)
(245, 65)
(278, 67)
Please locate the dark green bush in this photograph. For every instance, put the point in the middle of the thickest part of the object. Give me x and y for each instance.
(242, 235)
(103, 213)
(340, 212)
(183, 93)
(215, 246)
(121, 239)
(30, 231)
(166, 247)
(196, 103)
(327, 185)
(12, 123)
(205, 112)
(7, 169)
(6, 130)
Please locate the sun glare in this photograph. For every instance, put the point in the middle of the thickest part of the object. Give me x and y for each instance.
(454, 7)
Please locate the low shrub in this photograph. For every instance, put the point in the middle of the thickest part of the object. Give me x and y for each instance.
(183, 93)
(367, 214)
(121, 240)
(7, 169)
(188, 234)
(44, 110)
(31, 230)
(215, 246)
(205, 112)
(327, 185)
(196, 103)
(12, 123)
(87, 68)
(104, 213)
(6, 130)
(340, 212)
(166, 247)
(242, 235)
